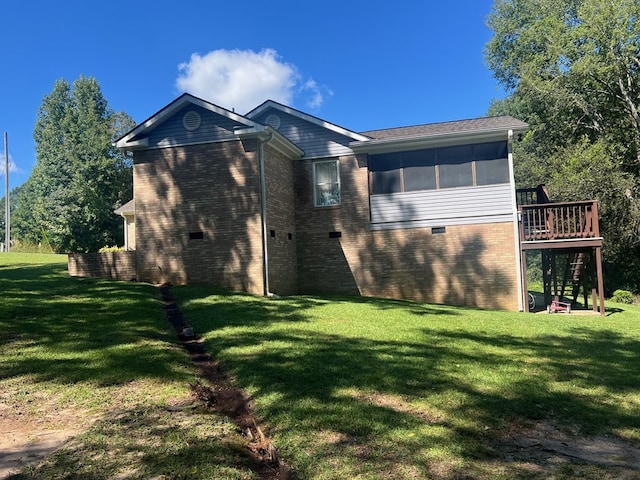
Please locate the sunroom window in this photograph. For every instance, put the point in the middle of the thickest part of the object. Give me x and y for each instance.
(436, 168)
(326, 181)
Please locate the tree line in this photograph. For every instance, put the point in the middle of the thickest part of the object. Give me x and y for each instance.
(571, 69)
(79, 177)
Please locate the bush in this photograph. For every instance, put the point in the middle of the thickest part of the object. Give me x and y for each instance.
(26, 247)
(622, 296)
(115, 248)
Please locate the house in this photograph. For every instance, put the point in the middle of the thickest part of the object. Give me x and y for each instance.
(128, 213)
(278, 201)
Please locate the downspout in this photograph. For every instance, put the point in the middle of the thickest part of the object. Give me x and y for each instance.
(126, 233)
(516, 229)
(263, 213)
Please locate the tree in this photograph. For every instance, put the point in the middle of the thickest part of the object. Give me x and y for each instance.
(578, 58)
(79, 177)
(572, 71)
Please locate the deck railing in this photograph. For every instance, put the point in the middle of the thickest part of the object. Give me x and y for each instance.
(534, 195)
(559, 221)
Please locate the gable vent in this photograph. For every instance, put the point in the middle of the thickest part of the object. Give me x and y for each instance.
(273, 121)
(191, 120)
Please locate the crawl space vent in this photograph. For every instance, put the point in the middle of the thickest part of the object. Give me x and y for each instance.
(273, 121)
(191, 120)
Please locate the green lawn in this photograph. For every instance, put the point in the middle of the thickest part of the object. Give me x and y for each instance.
(101, 354)
(349, 387)
(372, 388)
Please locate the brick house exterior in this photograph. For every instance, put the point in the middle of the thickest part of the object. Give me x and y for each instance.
(278, 201)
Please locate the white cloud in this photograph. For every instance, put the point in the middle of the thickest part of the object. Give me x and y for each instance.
(243, 79)
(317, 93)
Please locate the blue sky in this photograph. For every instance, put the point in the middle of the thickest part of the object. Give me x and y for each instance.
(360, 64)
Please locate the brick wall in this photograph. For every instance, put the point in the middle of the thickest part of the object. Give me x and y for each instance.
(472, 265)
(281, 230)
(115, 265)
(198, 215)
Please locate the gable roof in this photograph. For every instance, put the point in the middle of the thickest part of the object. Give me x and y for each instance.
(477, 129)
(305, 116)
(128, 208)
(137, 138)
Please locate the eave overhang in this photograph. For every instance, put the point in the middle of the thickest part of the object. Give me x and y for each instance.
(387, 145)
(271, 137)
(136, 138)
(305, 116)
(128, 209)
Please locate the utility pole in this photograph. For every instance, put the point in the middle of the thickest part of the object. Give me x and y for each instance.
(7, 210)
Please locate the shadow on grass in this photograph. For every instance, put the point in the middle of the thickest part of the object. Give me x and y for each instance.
(66, 330)
(150, 443)
(391, 402)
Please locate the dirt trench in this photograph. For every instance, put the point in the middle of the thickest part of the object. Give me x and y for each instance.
(219, 394)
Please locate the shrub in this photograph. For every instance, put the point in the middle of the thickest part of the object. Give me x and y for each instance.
(115, 248)
(622, 296)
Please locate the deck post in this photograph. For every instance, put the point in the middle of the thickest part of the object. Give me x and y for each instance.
(600, 279)
(525, 286)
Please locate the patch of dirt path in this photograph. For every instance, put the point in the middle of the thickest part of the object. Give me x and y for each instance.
(544, 444)
(27, 438)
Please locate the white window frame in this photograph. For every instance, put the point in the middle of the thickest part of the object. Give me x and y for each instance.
(316, 200)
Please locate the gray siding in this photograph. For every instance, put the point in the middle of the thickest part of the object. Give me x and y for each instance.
(214, 128)
(314, 140)
(451, 206)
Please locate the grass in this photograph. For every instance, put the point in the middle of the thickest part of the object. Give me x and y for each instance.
(101, 354)
(351, 388)
(373, 388)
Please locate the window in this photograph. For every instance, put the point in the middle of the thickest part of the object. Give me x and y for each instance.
(386, 173)
(419, 170)
(326, 182)
(492, 164)
(489, 172)
(435, 168)
(456, 169)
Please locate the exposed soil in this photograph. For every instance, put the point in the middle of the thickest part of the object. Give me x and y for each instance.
(28, 437)
(544, 446)
(222, 396)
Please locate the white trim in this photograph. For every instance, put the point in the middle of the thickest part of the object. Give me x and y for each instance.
(173, 145)
(270, 136)
(516, 229)
(186, 98)
(336, 162)
(442, 222)
(429, 141)
(305, 116)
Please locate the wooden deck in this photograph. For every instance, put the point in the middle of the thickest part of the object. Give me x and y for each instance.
(560, 225)
(568, 230)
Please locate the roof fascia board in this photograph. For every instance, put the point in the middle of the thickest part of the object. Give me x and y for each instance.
(124, 142)
(305, 116)
(271, 137)
(428, 141)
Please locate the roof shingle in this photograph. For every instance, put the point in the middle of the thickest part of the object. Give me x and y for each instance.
(442, 128)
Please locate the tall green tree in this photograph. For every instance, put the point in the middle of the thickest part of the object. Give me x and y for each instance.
(580, 59)
(572, 71)
(79, 177)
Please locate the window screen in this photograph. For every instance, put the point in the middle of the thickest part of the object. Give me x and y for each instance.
(419, 170)
(386, 182)
(455, 166)
(385, 177)
(489, 172)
